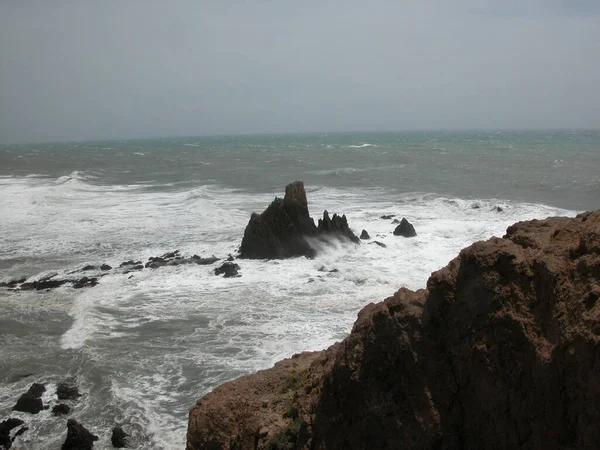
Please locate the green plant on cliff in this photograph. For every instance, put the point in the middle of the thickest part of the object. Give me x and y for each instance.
(286, 438)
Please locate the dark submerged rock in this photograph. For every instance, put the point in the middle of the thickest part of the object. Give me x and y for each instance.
(119, 437)
(381, 244)
(13, 283)
(85, 282)
(61, 409)
(497, 209)
(395, 221)
(405, 229)
(90, 267)
(228, 269)
(78, 437)
(105, 267)
(68, 390)
(205, 261)
(131, 262)
(388, 216)
(43, 284)
(364, 235)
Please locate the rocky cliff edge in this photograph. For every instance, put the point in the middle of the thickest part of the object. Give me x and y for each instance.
(500, 351)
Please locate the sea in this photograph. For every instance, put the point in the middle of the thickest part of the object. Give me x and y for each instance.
(144, 347)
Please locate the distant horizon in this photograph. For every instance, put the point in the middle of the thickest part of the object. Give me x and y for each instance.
(299, 133)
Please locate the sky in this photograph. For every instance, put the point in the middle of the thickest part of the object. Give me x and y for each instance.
(103, 69)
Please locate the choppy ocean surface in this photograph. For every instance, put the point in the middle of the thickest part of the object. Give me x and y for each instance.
(144, 348)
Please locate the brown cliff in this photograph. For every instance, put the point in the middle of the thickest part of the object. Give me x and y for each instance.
(500, 351)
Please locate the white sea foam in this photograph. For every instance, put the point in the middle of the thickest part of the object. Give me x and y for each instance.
(362, 146)
(164, 337)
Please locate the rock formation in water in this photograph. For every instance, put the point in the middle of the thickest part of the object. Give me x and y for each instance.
(281, 230)
(31, 401)
(500, 351)
(78, 437)
(405, 229)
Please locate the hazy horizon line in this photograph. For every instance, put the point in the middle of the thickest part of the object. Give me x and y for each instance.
(299, 133)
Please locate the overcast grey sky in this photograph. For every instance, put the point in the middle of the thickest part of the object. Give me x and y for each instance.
(72, 70)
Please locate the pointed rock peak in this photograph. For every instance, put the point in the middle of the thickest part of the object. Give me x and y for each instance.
(295, 192)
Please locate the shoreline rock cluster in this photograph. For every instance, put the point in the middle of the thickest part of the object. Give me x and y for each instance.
(170, 259)
(78, 437)
(501, 350)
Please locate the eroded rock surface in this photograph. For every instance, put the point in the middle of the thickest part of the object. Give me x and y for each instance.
(500, 351)
(281, 231)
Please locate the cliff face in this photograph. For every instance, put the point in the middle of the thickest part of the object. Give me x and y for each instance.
(500, 351)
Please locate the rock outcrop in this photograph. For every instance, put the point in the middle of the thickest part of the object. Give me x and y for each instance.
(228, 270)
(31, 401)
(6, 426)
(405, 229)
(502, 350)
(281, 230)
(119, 438)
(78, 437)
(68, 390)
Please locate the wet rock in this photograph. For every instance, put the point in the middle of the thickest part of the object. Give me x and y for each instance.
(61, 409)
(78, 437)
(364, 235)
(6, 426)
(388, 216)
(86, 268)
(155, 262)
(105, 267)
(13, 283)
(381, 244)
(131, 262)
(85, 282)
(29, 403)
(19, 432)
(119, 437)
(336, 225)
(281, 231)
(68, 390)
(133, 269)
(475, 206)
(37, 389)
(43, 284)
(395, 221)
(405, 229)
(497, 209)
(228, 269)
(230, 258)
(205, 261)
